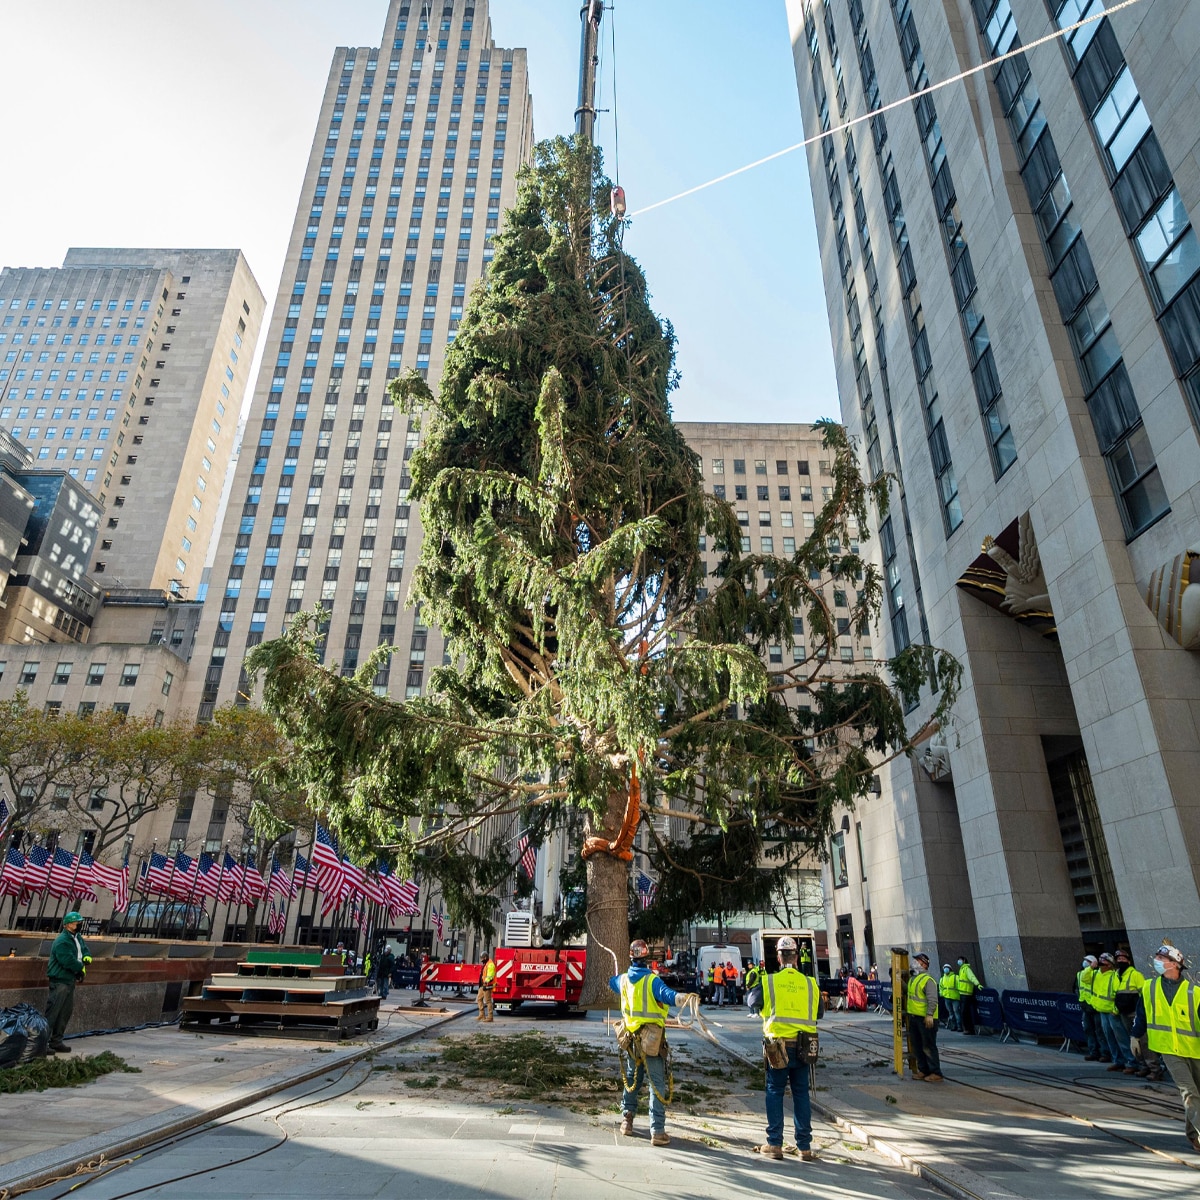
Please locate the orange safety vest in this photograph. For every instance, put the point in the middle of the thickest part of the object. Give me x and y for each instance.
(718, 975)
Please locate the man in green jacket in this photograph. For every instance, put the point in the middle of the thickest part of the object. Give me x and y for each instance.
(69, 958)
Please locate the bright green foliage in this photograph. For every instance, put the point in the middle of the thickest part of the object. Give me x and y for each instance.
(563, 516)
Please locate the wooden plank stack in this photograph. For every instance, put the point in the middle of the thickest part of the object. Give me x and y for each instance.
(284, 994)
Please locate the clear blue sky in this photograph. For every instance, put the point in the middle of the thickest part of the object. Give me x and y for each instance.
(140, 122)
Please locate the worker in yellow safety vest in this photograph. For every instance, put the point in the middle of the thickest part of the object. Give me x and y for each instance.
(484, 997)
(1112, 1030)
(789, 1003)
(1167, 1021)
(1129, 984)
(967, 983)
(645, 1001)
(921, 1006)
(948, 990)
(1096, 1050)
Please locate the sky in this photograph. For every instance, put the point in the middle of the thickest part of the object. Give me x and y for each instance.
(189, 123)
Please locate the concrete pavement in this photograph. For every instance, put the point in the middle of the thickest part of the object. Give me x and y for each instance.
(1010, 1120)
(184, 1080)
(381, 1131)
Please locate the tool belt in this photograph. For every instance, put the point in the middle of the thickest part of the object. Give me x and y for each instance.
(775, 1050)
(648, 1041)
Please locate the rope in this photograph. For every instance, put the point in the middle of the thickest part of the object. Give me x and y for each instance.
(925, 91)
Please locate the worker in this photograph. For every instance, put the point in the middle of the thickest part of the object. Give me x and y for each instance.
(789, 1003)
(1129, 984)
(967, 983)
(921, 1005)
(1112, 1029)
(806, 957)
(68, 964)
(731, 983)
(719, 985)
(1097, 1047)
(487, 986)
(948, 990)
(1167, 1021)
(753, 972)
(645, 1006)
(387, 964)
(711, 988)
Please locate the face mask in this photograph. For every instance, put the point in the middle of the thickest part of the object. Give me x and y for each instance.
(1085, 964)
(1159, 966)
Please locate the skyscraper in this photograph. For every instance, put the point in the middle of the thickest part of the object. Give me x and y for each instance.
(415, 157)
(1012, 279)
(127, 370)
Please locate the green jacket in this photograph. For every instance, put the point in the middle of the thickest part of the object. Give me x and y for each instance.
(66, 958)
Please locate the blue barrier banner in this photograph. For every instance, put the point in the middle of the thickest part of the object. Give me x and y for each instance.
(1071, 1018)
(988, 1010)
(1037, 1013)
(874, 992)
(405, 978)
(885, 994)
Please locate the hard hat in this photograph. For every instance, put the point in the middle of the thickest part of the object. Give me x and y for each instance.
(1091, 958)
(1123, 954)
(1168, 951)
(72, 917)
(638, 949)
(786, 943)
(921, 957)
(1106, 957)
(946, 967)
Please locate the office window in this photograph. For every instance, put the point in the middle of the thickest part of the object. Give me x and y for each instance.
(29, 672)
(739, 466)
(837, 860)
(62, 673)
(129, 674)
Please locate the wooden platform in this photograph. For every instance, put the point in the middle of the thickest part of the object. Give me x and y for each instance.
(304, 997)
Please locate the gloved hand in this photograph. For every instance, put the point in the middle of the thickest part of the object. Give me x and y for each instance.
(930, 1022)
(1137, 1047)
(87, 958)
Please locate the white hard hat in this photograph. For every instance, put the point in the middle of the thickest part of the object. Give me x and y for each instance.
(1166, 950)
(786, 943)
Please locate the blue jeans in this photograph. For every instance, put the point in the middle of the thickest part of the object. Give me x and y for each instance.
(794, 1074)
(1097, 1043)
(954, 1008)
(636, 1072)
(1117, 1038)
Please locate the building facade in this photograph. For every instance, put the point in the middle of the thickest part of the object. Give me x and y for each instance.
(414, 159)
(1011, 276)
(126, 369)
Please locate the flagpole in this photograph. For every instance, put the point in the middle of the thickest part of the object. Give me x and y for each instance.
(217, 898)
(46, 886)
(312, 887)
(74, 877)
(287, 908)
(162, 916)
(187, 904)
(140, 883)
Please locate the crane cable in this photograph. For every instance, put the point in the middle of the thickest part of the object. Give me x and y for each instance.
(875, 112)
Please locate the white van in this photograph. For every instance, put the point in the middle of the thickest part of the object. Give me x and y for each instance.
(709, 956)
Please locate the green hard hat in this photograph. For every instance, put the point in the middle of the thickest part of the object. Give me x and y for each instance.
(72, 917)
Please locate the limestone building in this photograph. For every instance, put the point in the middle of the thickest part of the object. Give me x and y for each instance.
(1011, 274)
(126, 369)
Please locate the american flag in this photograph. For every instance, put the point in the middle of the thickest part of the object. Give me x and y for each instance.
(207, 875)
(85, 878)
(281, 883)
(327, 861)
(156, 874)
(646, 888)
(254, 887)
(62, 871)
(438, 923)
(37, 869)
(301, 865)
(230, 882)
(276, 918)
(402, 897)
(527, 854)
(115, 881)
(373, 889)
(183, 879)
(5, 817)
(355, 877)
(12, 882)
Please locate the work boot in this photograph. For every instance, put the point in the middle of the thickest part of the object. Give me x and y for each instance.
(59, 1047)
(627, 1125)
(918, 1076)
(769, 1151)
(1091, 1058)
(1115, 1067)
(933, 1077)
(659, 1139)
(1131, 1070)
(808, 1156)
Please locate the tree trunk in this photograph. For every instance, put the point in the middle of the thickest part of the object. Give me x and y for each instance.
(607, 914)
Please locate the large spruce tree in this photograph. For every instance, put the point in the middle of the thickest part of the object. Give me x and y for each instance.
(598, 678)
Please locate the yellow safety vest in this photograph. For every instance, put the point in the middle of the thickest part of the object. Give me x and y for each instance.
(1130, 980)
(1083, 985)
(489, 973)
(917, 1005)
(1172, 1028)
(1104, 987)
(966, 981)
(790, 1002)
(639, 1006)
(948, 987)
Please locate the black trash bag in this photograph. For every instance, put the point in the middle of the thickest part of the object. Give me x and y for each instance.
(24, 1035)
